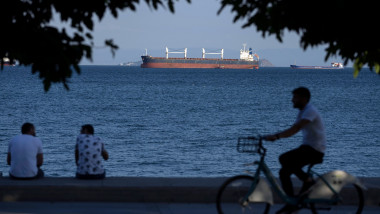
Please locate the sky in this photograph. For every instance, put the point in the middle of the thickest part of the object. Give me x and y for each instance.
(193, 26)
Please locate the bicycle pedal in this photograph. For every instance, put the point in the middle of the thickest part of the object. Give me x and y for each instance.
(243, 203)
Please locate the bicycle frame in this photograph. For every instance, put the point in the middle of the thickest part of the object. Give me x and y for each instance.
(262, 167)
(332, 200)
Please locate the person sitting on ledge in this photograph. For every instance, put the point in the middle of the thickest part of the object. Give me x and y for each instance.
(88, 152)
(25, 154)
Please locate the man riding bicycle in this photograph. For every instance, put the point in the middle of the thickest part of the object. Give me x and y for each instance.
(311, 150)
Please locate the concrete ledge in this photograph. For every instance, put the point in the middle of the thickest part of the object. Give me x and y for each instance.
(113, 189)
(135, 189)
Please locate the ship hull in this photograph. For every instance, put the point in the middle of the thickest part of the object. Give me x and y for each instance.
(160, 62)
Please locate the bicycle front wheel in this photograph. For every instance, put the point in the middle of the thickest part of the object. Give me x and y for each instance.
(231, 194)
(352, 200)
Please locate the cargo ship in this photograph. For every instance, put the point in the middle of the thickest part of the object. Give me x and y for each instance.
(334, 65)
(248, 60)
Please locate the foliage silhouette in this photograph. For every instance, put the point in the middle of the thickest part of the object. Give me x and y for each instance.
(346, 27)
(28, 38)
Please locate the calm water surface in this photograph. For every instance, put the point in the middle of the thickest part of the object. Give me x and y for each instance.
(182, 123)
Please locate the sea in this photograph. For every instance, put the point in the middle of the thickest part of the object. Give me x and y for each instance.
(185, 122)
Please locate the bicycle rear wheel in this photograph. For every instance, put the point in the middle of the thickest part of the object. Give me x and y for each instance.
(230, 197)
(352, 200)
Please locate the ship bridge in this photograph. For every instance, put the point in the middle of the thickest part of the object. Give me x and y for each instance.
(248, 55)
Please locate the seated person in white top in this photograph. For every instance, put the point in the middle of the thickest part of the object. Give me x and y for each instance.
(89, 151)
(25, 154)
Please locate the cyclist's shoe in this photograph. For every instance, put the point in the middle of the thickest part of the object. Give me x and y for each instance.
(288, 209)
(306, 186)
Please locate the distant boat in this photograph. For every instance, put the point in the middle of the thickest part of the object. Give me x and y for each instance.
(6, 62)
(334, 65)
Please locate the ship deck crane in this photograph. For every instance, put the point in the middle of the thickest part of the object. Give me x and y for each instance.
(175, 52)
(218, 53)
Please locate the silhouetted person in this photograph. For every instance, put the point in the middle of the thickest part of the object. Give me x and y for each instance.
(89, 151)
(313, 144)
(25, 154)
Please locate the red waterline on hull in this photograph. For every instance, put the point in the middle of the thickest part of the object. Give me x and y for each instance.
(185, 65)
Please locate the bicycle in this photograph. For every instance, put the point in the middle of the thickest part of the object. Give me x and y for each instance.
(252, 194)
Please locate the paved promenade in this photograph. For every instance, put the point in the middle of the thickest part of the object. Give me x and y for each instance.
(149, 195)
(140, 208)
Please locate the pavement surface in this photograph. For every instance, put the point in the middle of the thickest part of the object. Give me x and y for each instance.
(135, 195)
(139, 208)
